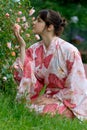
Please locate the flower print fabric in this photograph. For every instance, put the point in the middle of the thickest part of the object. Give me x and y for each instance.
(60, 68)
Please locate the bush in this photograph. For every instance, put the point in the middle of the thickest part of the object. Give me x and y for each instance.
(14, 11)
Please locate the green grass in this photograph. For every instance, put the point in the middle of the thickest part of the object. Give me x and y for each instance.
(14, 116)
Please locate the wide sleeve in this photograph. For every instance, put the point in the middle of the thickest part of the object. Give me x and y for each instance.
(74, 95)
(29, 86)
(17, 70)
(21, 70)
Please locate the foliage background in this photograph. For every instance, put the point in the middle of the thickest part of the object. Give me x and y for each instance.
(75, 32)
(8, 18)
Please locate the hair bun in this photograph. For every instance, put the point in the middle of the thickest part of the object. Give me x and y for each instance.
(63, 23)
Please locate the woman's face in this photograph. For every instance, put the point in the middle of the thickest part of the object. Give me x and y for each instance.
(39, 26)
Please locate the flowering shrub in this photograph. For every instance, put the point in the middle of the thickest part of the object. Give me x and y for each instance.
(13, 12)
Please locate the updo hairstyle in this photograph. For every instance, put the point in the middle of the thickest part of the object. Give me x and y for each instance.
(54, 18)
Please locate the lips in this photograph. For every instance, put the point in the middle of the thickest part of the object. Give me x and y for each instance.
(33, 27)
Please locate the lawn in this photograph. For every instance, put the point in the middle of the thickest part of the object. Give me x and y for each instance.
(14, 116)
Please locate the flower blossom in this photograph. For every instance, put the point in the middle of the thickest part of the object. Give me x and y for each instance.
(9, 45)
(37, 37)
(17, 46)
(18, 20)
(74, 19)
(13, 53)
(31, 12)
(19, 12)
(25, 25)
(4, 78)
(23, 19)
(27, 35)
(33, 18)
(7, 15)
(16, 0)
(78, 39)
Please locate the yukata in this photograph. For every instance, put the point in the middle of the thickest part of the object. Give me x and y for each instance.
(60, 69)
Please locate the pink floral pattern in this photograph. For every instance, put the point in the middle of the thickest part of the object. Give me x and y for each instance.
(61, 70)
(47, 60)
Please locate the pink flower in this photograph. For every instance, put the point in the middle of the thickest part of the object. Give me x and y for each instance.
(9, 45)
(31, 12)
(18, 20)
(13, 53)
(7, 15)
(23, 19)
(19, 12)
(27, 35)
(37, 37)
(33, 18)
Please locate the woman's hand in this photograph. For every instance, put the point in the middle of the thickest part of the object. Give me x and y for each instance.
(17, 30)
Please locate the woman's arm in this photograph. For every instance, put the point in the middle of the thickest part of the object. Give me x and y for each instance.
(21, 41)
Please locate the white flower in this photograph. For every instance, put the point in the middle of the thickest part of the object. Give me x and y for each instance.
(31, 12)
(17, 46)
(37, 37)
(25, 25)
(16, 0)
(23, 19)
(33, 18)
(74, 19)
(27, 35)
(4, 78)
(9, 45)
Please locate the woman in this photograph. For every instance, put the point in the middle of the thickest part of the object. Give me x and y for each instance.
(55, 64)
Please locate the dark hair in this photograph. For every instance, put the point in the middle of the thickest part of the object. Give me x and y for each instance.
(54, 18)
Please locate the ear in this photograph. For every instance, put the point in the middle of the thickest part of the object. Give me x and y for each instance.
(51, 27)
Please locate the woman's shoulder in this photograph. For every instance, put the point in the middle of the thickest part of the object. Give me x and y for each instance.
(66, 46)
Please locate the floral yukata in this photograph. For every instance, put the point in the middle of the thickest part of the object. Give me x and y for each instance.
(60, 69)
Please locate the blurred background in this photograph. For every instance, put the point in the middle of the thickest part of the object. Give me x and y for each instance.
(75, 12)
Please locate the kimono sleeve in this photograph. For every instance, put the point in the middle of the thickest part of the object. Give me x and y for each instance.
(18, 70)
(76, 83)
(21, 70)
(28, 63)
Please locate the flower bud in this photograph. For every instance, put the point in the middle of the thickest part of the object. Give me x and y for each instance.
(31, 12)
(37, 37)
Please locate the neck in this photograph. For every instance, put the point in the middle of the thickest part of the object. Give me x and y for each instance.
(47, 40)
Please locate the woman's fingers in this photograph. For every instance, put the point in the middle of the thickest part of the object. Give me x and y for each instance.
(16, 29)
